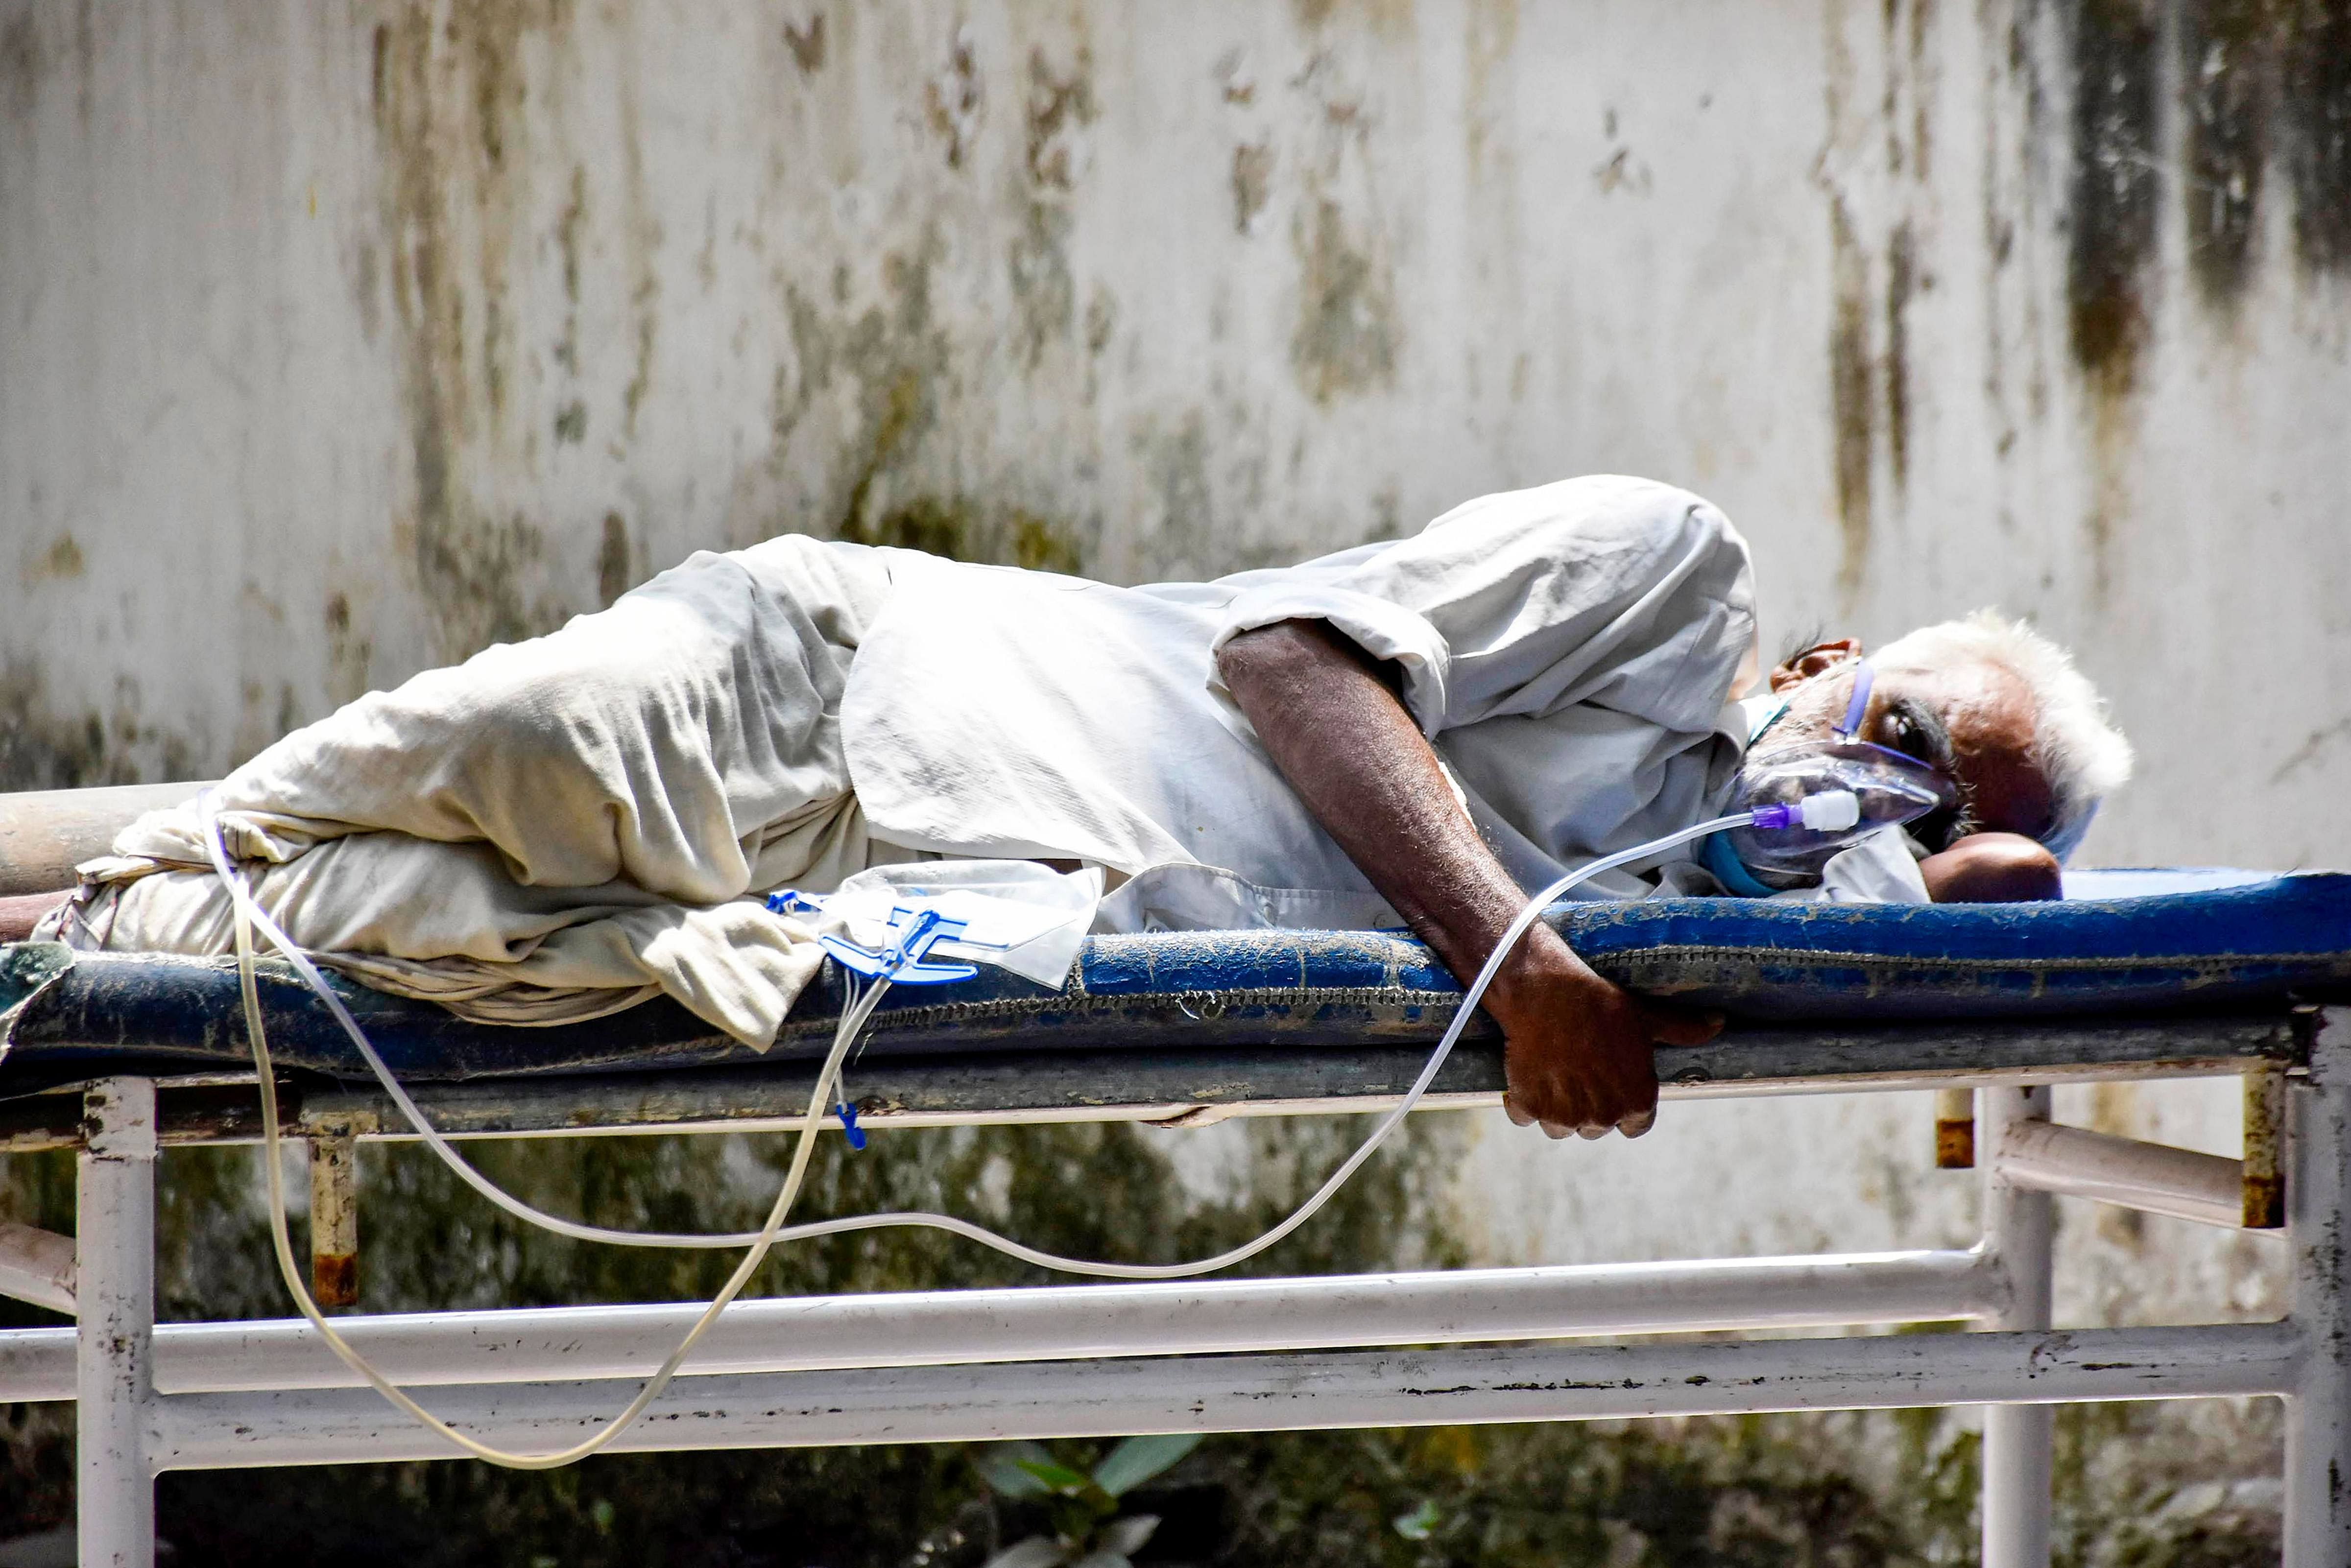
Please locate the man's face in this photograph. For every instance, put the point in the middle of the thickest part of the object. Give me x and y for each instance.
(1972, 718)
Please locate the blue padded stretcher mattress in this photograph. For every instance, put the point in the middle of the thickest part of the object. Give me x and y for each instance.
(2122, 943)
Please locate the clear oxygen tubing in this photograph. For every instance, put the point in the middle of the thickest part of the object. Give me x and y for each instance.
(249, 916)
(853, 1021)
(575, 1230)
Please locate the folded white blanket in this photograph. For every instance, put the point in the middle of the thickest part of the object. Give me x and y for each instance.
(555, 828)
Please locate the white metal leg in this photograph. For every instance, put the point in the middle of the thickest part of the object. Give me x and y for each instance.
(2318, 1416)
(2020, 1231)
(115, 1266)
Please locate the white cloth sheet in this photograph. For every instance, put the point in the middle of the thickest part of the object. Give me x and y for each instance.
(560, 827)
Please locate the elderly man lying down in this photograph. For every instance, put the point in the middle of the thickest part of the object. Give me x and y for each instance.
(1418, 733)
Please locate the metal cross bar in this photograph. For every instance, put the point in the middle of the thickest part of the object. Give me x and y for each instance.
(921, 1328)
(2041, 1157)
(1192, 1086)
(1253, 1394)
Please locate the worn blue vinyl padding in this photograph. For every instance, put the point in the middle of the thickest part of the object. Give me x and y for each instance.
(2232, 940)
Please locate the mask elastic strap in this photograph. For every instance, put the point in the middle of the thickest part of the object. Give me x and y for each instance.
(1863, 679)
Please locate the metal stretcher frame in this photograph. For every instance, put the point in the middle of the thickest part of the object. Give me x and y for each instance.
(1261, 1354)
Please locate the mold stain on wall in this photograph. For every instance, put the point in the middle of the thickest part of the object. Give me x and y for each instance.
(2228, 63)
(891, 364)
(20, 65)
(349, 652)
(2316, 95)
(806, 41)
(1902, 282)
(884, 362)
(1386, 18)
(641, 236)
(2115, 190)
(1853, 395)
(1252, 179)
(1060, 106)
(62, 561)
(955, 101)
(49, 747)
(2115, 193)
(1872, 171)
(2265, 79)
(1347, 333)
(447, 96)
(614, 575)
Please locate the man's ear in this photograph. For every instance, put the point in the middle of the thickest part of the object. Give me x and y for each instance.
(1820, 656)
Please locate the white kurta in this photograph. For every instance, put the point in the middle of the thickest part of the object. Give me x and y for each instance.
(1571, 651)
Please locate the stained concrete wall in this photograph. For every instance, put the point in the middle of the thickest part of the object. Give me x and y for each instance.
(338, 340)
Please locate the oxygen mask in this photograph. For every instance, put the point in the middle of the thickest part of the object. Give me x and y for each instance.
(1813, 797)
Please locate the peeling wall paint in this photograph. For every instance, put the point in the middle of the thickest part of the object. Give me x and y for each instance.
(337, 341)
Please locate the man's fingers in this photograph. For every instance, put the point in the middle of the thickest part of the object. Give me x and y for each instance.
(1519, 1115)
(1681, 1026)
(1591, 1130)
(1639, 1123)
(1555, 1129)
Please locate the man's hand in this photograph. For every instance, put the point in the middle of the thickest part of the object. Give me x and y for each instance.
(1578, 1048)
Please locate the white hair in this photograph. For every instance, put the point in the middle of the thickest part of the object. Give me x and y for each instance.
(2075, 747)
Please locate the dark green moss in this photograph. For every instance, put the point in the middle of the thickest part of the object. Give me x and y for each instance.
(963, 530)
(1852, 396)
(2115, 188)
(2318, 105)
(923, 524)
(47, 744)
(2228, 62)
(1348, 334)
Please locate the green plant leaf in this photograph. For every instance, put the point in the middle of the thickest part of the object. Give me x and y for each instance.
(1124, 1537)
(1004, 1467)
(1035, 1551)
(1137, 1460)
(1420, 1523)
(1056, 1478)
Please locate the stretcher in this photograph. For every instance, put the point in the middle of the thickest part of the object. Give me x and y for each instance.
(2135, 974)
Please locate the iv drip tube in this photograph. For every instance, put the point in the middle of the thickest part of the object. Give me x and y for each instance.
(249, 916)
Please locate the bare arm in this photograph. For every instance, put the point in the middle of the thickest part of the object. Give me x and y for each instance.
(1578, 1048)
(20, 913)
